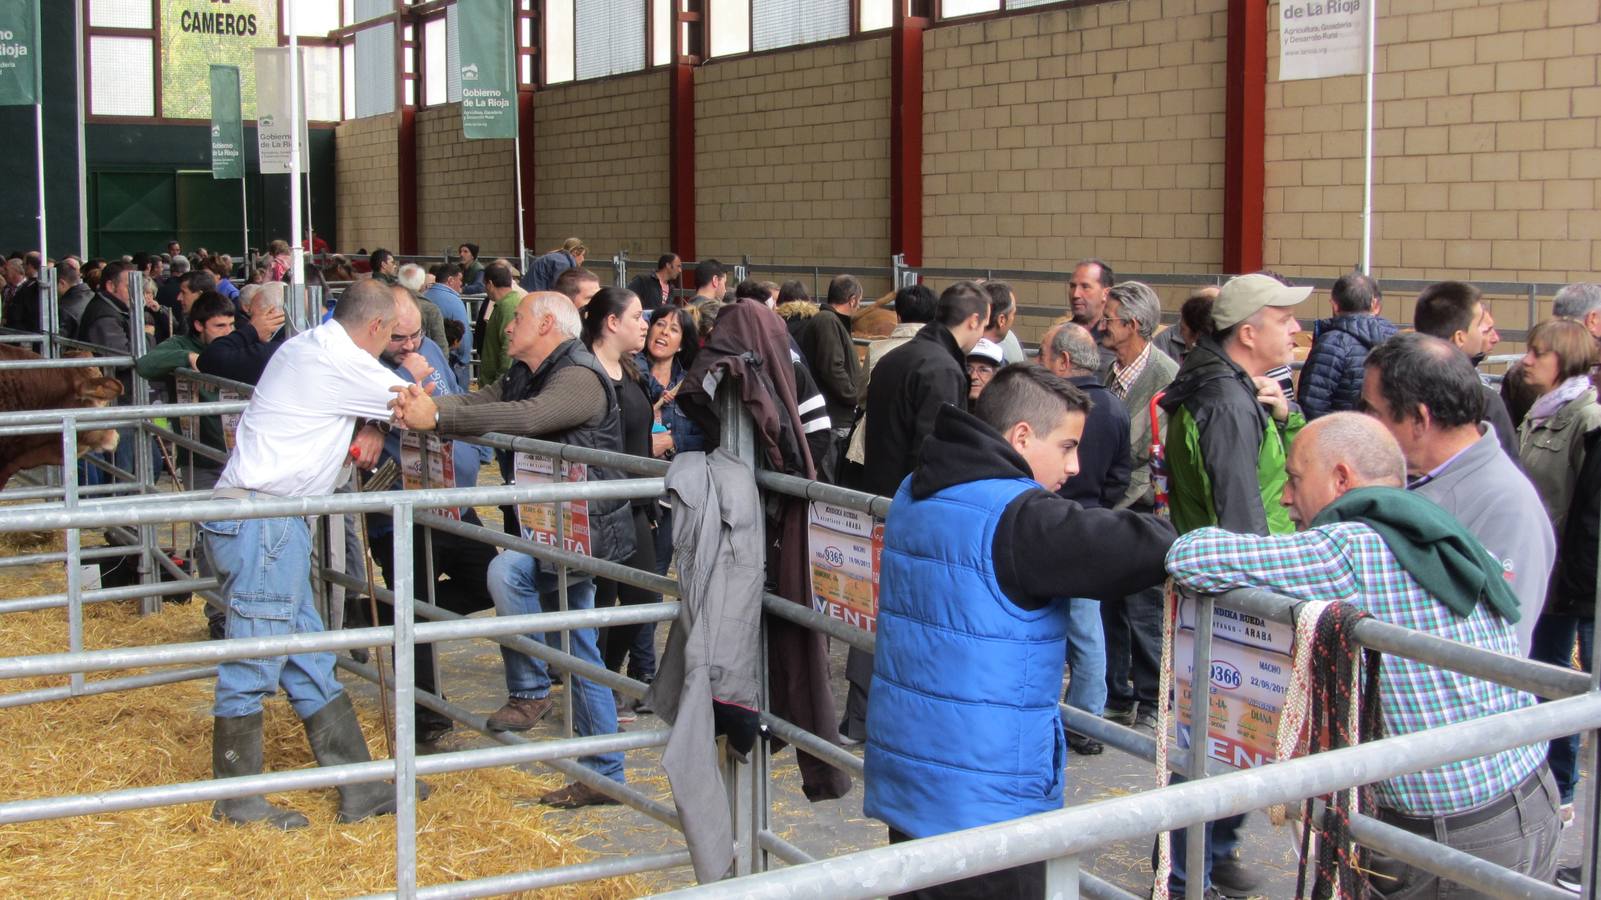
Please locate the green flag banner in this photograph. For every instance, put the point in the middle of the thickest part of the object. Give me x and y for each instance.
(488, 73)
(19, 52)
(227, 127)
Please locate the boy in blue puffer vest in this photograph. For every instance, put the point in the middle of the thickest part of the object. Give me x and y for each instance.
(980, 558)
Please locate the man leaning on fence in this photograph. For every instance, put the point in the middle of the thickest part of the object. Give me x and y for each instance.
(980, 558)
(1365, 540)
(293, 441)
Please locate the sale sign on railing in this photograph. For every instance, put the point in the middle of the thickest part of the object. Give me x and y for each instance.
(539, 520)
(428, 462)
(1248, 679)
(845, 547)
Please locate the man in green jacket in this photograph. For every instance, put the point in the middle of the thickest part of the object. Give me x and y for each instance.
(1229, 430)
(505, 295)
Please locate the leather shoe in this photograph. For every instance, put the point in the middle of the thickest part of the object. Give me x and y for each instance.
(1233, 879)
(576, 795)
(519, 714)
(1084, 746)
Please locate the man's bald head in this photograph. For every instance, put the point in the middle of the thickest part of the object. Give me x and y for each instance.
(1335, 454)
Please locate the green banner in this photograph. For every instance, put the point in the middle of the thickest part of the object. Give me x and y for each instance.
(227, 128)
(488, 72)
(19, 52)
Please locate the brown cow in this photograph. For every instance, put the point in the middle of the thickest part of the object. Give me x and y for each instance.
(874, 320)
(37, 389)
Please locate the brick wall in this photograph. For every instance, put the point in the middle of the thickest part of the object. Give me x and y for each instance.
(601, 162)
(465, 189)
(366, 175)
(792, 156)
(1095, 131)
(1486, 148)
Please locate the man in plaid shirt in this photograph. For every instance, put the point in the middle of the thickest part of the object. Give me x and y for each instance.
(1501, 808)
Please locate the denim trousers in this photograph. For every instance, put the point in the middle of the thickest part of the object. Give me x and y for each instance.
(1553, 643)
(265, 567)
(1133, 650)
(1086, 655)
(520, 586)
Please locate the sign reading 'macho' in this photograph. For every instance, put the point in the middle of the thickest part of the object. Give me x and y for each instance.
(196, 34)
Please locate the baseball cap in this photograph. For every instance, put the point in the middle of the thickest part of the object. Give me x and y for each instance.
(987, 349)
(1243, 295)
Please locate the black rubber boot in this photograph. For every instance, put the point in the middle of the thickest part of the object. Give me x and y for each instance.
(336, 739)
(236, 751)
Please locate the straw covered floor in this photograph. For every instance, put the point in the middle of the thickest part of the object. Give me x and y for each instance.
(476, 824)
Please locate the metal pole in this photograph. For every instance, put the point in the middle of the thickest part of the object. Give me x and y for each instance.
(405, 709)
(1195, 837)
(1367, 147)
(69, 479)
(297, 253)
(1590, 863)
(517, 181)
(38, 128)
(244, 216)
(48, 300)
(561, 604)
(1061, 878)
(83, 165)
(143, 466)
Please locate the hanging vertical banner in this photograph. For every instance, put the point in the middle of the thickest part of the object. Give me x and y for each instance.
(227, 127)
(273, 128)
(1322, 38)
(19, 47)
(488, 74)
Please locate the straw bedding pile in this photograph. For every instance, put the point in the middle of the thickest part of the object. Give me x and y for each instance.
(476, 823)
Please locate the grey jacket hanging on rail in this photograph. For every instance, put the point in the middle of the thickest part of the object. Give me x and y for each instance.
(708, 682)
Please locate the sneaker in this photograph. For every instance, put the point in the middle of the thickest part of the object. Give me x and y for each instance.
(625, 711)
(1570, 878)
(519, 714)
(1084, 746)
(1565, 815)
(1146, 720)
(1123, 717)
(1232, 878)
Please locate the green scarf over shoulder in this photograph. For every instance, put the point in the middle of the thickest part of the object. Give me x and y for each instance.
(1431, 545)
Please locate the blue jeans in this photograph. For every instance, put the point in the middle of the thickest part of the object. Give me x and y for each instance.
(265, 567)
(1086, 654)
(1553, 643)
(519, 587)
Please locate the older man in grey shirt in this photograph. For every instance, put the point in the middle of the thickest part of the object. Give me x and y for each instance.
(1427, 394)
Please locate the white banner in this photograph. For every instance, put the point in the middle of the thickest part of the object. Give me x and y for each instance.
(273, 132)
(1322, 38)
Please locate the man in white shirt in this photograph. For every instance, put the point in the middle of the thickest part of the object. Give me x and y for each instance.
(293, 441)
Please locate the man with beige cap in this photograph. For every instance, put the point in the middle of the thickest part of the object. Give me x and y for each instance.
(1228, 432)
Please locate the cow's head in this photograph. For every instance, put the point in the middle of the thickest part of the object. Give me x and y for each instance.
(92, 388)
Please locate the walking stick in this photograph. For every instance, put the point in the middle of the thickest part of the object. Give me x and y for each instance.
(379, 479)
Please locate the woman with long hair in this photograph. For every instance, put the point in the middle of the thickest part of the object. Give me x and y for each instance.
(614, 330)
(1551, 447)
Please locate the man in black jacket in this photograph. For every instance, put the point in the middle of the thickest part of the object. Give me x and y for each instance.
(1454, 312)
(654, 289)
(825, 341)
(243, 355)
(1069, 352)
(915, 380)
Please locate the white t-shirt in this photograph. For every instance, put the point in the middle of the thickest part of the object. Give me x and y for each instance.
(295, 434)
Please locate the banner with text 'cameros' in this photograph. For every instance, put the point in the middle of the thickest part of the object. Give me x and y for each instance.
(488, 76)
(195, 34)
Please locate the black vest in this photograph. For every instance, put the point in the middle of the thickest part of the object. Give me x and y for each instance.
(611, 522)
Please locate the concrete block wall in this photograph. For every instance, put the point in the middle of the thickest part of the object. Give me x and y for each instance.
(465, 189)
(792, 156)
(600, 165)
(366, 152)
(1487, 152)
(1095, 131)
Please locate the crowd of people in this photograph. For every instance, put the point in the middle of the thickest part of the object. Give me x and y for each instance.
(1039, 504)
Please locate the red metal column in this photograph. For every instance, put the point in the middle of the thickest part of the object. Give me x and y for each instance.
(1245, 117)
(525, 150)
(906, 133)
(689, 43)
(406, 88)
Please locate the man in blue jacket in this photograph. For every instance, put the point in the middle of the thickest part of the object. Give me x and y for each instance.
(1331, 380)
(963, 728)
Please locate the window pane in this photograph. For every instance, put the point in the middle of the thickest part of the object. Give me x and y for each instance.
(370, 9)
(730, 26)
(611, 37)
(784, 23)
(122, 76)
(1025, 4)
(877, 14)
(952, 8)
(322, 83)
(375, 70)
(347, 55)
(558, 41)
(315, 18)
(120, 14)
(661, 32)
(452, 54)
(433, 45)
